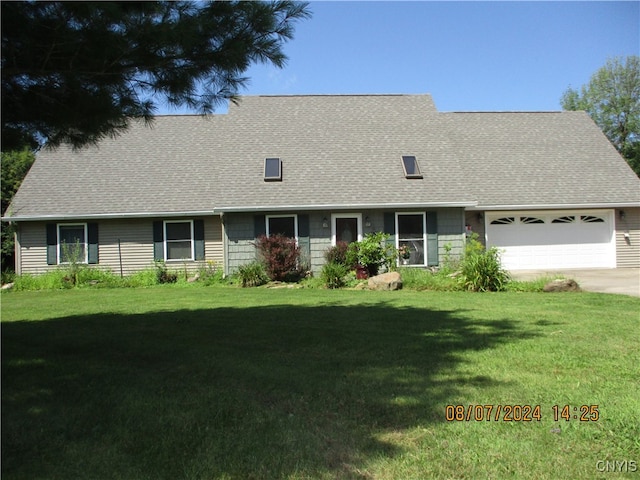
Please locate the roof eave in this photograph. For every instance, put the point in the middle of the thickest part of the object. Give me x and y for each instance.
(341, 207)
(104, 216)
(556, 206)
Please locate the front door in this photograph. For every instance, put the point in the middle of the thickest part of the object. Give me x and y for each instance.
(346, 228)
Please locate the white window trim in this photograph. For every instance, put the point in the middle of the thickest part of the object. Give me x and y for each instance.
(164, 243)
(334, 216)
(86, 242)
(424, 237)
(295, 223)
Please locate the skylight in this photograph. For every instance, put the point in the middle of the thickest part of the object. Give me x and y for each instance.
(411, 168)
(272, 169)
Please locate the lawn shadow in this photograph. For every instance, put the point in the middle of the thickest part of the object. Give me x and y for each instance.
(261, 392)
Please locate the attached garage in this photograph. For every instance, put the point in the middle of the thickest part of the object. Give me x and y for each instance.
(553, 239)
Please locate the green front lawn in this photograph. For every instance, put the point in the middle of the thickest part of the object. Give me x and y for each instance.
(222, 383)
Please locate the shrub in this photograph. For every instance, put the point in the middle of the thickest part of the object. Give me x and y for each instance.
(210, 273)
(143, 278)
(333, 274)
(74, 253)
(99, 277)
(337, 253)
(8, 276)
(424, 279)
(163, 275)
(372, 253)
(280, 256)
(252, 274)
(51, 280)
(482, 272)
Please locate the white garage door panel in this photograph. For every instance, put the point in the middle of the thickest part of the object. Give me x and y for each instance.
(548, 245)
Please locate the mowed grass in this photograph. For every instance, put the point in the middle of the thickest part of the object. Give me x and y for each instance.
(229, 383)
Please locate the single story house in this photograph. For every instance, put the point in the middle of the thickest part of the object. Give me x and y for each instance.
(547, 188)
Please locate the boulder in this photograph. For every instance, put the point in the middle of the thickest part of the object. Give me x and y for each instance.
(385, 281)
(562, 285)
(193, 279)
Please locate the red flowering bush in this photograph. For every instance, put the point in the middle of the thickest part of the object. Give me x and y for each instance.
(280, 256)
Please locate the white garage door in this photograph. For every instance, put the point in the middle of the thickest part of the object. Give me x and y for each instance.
(553, 240)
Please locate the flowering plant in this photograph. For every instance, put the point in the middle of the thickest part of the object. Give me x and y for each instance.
(404, 252)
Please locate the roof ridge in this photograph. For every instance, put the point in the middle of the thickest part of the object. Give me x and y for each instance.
(509, 111)
(338, 95)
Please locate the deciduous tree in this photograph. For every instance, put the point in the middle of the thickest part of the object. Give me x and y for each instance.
(612, 99)
(14, 167)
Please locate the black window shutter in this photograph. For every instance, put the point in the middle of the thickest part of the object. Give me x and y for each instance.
(390, 227)
(259, 225)
(52, 244)
(432, 239)
(198, 238)
(92, 241)
(259, 228)
(158, 241)
(304, 238)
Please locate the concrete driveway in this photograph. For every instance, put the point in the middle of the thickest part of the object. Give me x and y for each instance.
(625, 281)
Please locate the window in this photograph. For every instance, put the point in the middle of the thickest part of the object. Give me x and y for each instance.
(411, 228)
(591, 219)
(531, 220)
(178, 240)
(411, 168)
(272, 169)
(567, 219)
(72, 243)
(503, 221)
(283, 225)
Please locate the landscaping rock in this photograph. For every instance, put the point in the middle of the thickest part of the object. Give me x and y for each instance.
(385, 281)
(562, 285)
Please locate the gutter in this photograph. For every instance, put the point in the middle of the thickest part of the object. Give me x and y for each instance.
(342, 207)
(104, 216)
(560, 206)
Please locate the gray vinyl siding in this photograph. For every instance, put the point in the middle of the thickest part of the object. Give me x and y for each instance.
(320, 240)
(136, 246)
(450, 228)
(239, 232)
(450, 232)
(240, 235)
(628, 249)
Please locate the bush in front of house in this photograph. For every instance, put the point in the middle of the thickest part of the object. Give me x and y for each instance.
(337, 253)
(280, 256)
(210, 273)
(334, 274)
(372, 252)
(163, 275)
(425, 279)
(60, 278)
(481, 270)
(252, 274)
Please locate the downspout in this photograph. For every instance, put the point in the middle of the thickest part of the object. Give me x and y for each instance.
(225, 247)
(17, 250)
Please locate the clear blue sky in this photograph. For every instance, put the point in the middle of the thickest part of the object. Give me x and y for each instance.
(468, 55)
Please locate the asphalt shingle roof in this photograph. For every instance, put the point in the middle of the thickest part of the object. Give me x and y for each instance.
(337, 151)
